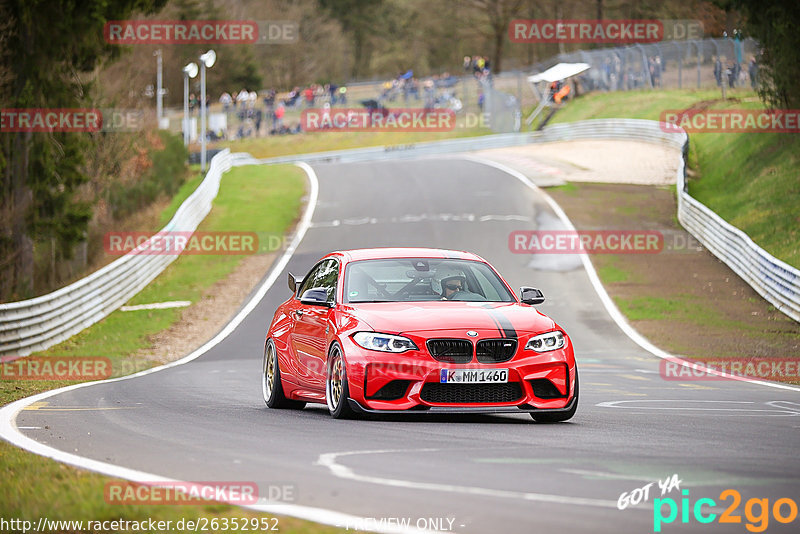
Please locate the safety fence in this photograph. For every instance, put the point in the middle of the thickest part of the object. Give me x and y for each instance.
(670, 65)
(35, 324)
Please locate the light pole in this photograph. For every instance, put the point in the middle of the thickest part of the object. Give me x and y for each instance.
(207, 60)
(189, 71)
(159, 92)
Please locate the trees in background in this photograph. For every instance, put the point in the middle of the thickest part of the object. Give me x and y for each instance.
(774, 24)
(49, 49)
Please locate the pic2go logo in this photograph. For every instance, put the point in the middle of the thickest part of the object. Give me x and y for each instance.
(756, 511)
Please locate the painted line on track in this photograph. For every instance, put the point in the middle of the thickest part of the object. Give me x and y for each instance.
(611, 308)
(330, 460)
(158, 305)
(8, 414)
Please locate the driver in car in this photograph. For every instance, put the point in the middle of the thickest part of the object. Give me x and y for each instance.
(448, 282)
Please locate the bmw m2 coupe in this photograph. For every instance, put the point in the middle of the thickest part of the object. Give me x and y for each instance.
(401, 330)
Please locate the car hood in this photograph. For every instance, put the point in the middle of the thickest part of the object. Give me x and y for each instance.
(507, 318)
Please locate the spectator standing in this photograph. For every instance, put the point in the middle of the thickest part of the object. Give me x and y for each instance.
(226, 100)
(718, 71)
(308, 95)
(332, 93)
(731, 71)
(259, 115)
(430, 94)
(277, 122)
(242, 97)
(752, 71)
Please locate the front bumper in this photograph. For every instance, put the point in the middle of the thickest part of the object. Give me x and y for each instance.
(541, 382)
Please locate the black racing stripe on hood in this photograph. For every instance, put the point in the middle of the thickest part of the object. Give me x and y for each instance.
(503, 323)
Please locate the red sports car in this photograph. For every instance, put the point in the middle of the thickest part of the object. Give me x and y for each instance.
(401, 330)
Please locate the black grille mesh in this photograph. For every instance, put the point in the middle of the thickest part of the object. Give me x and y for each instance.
(496, 350)
(544, 389)
(393, 390)
(450, 350)
(470, 393)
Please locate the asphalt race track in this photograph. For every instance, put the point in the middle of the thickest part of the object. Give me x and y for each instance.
(206, 420)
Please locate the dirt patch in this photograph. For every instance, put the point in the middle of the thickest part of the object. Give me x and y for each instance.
(683, 299)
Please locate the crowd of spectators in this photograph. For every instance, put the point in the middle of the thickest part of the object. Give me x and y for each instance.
(733, 74)
(266, 117)
(479, 66)
(434, 91)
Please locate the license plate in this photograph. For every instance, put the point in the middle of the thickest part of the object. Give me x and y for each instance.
(473, 376)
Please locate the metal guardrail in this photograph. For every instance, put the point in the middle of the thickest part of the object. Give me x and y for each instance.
(38, 323)
(35, 324)
(411, 150)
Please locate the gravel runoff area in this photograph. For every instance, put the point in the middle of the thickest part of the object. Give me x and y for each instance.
(597, 161)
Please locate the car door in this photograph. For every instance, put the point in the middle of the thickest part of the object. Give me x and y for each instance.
(310, 325)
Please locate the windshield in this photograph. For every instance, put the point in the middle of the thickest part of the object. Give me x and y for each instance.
(422, 279)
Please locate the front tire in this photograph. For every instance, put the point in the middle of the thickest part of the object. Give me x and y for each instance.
(557, 417)
(337, 391)
(271, 385)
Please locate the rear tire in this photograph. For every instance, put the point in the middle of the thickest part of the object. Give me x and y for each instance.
(557, 417)
(271, 385)
(337, 391)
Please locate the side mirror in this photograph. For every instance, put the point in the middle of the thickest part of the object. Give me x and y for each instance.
(294, 283)
(316, 296)
(531, 295)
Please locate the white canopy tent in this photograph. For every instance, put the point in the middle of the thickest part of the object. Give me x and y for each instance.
(562, 71)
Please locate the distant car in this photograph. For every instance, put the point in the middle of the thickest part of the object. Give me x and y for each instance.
(410, 330)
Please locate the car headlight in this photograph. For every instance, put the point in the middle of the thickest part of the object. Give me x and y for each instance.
(547, 342)
(384, 342)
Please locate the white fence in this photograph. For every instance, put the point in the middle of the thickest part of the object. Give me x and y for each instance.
(35, 324)
(38, 323)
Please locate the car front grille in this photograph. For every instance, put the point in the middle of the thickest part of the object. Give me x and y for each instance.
(470, 393)
(450, 350)
(496, 350)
